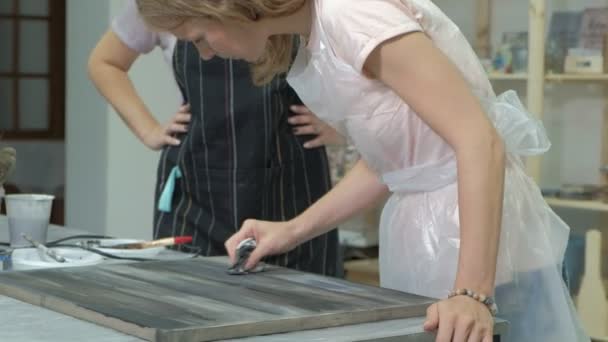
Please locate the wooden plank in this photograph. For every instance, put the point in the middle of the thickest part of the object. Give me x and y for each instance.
(604, 220)
(604, 148)
(364, 271)
(536, 73)
(577, 77)
(482, 35)
(603, 223)
(197, 300)
(499, 76)
(577, 204)
(592, 306)
(557, 78)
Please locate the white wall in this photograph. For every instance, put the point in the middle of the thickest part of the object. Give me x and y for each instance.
(110, 174)
(131, 165)
(86, 132)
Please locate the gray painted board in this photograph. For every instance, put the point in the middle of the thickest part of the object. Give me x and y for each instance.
(196, 300)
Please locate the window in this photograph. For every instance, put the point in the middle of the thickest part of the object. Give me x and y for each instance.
(32, 69)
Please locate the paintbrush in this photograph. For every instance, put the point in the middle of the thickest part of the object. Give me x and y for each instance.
(171, 241)
(44, 249)
(7, 163)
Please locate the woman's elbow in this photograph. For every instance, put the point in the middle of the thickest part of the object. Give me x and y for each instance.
(497, 144)
(94, 63)
(487, 143)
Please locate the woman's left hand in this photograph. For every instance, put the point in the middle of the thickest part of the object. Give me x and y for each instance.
(306, 122)
(460, 319)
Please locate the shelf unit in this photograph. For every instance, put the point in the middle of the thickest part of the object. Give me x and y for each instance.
(577, 204)
(551, 77)
(495, 76)
(536, 78)
(576, 78)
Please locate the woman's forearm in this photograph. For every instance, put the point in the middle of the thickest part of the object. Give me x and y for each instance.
(411, 65)
(480, 190)
(108, 68)
(115, 85)
(360, 189)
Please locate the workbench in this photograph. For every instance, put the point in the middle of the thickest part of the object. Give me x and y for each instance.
(24, 322)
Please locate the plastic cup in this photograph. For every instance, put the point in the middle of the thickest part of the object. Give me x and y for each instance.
(28, 214)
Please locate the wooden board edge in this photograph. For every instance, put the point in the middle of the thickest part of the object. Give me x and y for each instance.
(500, 329)
(61, 306)
(286, 325)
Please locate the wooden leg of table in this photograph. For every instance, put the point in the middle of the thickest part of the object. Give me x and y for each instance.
(362, 271)
(604, 273)
(604, 258)
(592, 306)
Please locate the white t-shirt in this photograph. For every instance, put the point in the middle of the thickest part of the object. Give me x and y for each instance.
(132, 31)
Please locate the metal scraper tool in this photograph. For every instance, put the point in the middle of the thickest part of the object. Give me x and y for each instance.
(243, 251)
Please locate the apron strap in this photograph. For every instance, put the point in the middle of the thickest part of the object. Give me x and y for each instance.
(166, 197)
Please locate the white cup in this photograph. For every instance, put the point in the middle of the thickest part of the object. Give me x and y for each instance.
(28, 214)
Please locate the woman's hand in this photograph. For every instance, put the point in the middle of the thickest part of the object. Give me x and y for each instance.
(162, 135)
(460, 319)
(306, 122)
(271, 237)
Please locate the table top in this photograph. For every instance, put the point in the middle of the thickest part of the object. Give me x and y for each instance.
(27, 322)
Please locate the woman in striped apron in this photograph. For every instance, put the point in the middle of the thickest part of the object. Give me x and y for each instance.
(239, 157)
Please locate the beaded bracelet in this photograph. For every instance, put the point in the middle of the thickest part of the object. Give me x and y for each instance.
(483, 299)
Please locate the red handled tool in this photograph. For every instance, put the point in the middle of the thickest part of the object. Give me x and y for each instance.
(171, 241)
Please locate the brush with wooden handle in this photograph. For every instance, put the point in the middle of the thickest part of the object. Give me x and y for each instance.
(171, 241)
(44, 249)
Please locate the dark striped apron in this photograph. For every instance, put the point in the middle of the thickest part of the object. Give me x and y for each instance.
(239, 160)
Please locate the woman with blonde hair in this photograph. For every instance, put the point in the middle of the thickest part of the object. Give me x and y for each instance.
(463, 223)
(220, 164)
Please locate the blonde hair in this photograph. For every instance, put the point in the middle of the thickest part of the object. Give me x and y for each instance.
(169, 14)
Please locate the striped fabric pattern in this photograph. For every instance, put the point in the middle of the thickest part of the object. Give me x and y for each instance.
(240, 160)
